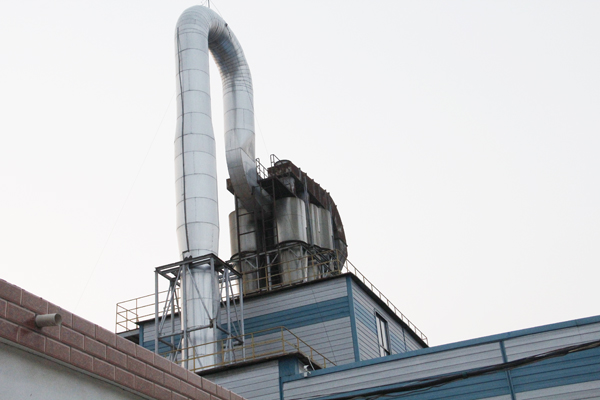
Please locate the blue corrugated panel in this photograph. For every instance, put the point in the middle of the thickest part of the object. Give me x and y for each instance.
(300, 316)
(480, 387)
(398, 345)
(162, 348)
(474, 388)
(412, 344)
(366, 317)
(351, 307)
(578, 367)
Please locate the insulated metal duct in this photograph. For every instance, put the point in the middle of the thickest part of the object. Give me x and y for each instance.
(200, 30)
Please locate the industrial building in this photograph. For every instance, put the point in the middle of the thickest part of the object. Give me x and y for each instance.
(288, 316)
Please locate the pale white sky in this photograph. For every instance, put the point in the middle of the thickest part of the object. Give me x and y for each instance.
(459, 139)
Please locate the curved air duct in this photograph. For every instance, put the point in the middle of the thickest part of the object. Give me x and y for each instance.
(199, 30)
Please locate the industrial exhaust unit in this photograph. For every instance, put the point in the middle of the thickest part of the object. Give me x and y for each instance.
(285, 228)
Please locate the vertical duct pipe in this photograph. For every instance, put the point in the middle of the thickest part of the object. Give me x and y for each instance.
(200, 30)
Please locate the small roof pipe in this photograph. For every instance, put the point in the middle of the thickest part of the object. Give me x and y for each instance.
(44, 320)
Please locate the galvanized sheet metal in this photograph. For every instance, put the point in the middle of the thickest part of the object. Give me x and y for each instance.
(247, 238)
(321, 227)
(290, 213)
(200, 30)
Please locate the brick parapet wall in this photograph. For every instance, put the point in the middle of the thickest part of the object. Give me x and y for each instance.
(87, 347)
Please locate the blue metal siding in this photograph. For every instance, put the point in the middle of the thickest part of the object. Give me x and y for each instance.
(141, 333)
(332, 339)
(508, 376)
(300, 316)
(365, 308)
(259, 381)
(302, 295)
(411, 343)
(573, 368)
(366, 331)
(318, 313)
(480, 387)
(398, 345)
(162, 348)
(147, 334)
(574, 376)
(367, 317)
(351, 306)
(388, 371)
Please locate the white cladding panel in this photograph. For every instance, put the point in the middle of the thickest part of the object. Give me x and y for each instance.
(27, 376)
(367, 342)
(332, 338)
(149, 333)
(529, 345)
(259, 381)
(296, 297)
(396, 371)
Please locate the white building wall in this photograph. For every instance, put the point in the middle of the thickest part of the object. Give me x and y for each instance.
(27, 376)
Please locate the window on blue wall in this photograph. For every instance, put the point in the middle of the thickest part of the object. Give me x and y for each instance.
(382, 336)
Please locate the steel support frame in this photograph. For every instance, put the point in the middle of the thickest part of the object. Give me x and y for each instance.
(327, 259)
(231, 302)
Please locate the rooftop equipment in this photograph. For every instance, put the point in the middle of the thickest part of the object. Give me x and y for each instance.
(280, 217)
(199, 30)
(285, 229)
(300, 238)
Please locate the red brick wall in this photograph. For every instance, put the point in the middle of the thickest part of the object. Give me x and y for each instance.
(87, 347)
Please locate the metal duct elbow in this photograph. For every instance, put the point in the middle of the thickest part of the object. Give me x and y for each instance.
(200, 30)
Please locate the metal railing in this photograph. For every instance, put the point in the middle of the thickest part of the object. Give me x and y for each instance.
(310, 266)
(261, 170)
(131, 312)
(349, 267)
(307, 265)
(256, 345)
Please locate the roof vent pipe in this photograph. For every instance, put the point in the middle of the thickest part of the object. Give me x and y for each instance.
(45, 320)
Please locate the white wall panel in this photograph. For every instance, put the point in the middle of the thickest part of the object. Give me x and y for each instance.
(332, 338)
(296, 297)
(396, 371)
(149, 332)
(259, 381)
(26, 376)
(529, 345)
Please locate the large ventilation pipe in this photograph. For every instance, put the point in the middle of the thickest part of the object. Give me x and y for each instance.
(199, 30)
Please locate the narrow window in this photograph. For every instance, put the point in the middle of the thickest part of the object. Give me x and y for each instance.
(382, 336)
